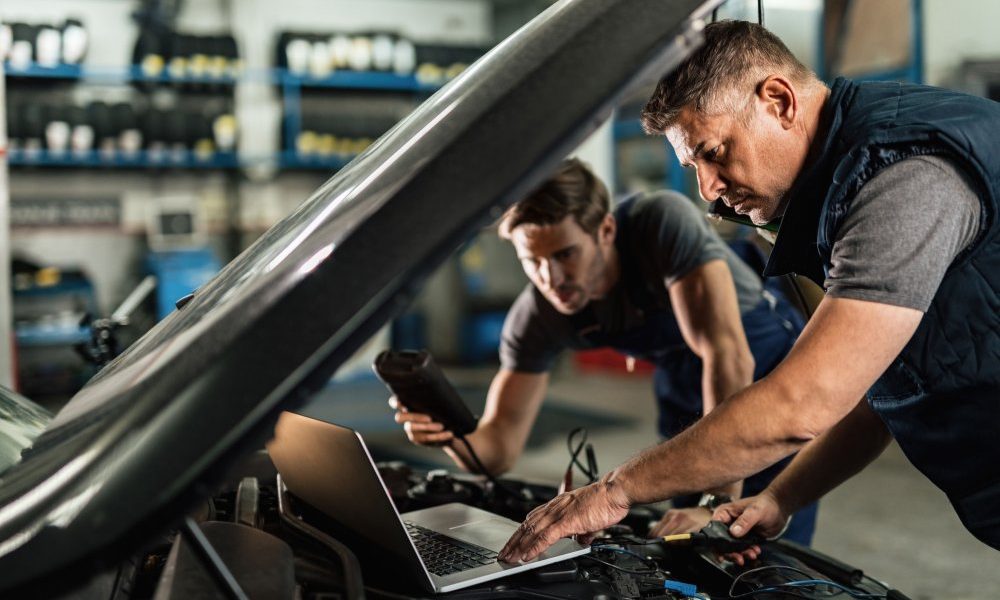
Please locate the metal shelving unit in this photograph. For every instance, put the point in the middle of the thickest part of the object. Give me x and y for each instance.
(292, 86)
(142, 160)
(111, 75)
(94, 159)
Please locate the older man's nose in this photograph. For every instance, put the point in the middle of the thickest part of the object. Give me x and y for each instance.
(710, 184)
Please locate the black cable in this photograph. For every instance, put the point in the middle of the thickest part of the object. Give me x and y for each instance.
(788, 587)
(574, 453)
(775, 590)
(622, 569)
(485, 472)
(649, 562)
(623, 540)
(760, 12)
(592, 463)
(757, 570)
(210, 560)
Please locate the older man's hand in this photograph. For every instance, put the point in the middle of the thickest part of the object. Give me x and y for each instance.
(582, 511)
(762, 513)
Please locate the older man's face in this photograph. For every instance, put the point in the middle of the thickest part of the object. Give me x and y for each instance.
(749, 161)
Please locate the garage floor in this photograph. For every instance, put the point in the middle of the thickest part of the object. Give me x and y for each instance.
(889, 520)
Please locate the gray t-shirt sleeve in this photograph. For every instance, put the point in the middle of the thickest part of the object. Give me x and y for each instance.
(680, 234)
(533, 333)
(681, 239)
(904, 229)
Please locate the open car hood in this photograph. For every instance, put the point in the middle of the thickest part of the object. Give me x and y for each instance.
(153, 430)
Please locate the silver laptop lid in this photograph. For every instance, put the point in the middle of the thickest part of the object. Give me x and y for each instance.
(329, 467)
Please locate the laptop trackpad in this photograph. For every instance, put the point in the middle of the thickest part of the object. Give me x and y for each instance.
(466, 523)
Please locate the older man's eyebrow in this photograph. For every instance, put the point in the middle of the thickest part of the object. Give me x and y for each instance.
(695, 154)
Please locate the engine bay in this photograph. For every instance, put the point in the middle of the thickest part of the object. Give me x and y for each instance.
(276, 546)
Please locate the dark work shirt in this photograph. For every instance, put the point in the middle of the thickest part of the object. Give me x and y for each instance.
(670, 238)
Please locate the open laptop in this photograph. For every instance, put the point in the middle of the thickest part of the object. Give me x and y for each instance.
(451, 546)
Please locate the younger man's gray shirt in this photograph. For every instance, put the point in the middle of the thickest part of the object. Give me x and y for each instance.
(668, 238)
(904, 229)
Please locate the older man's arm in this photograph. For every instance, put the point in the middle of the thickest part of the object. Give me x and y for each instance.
(845, 347)
(834, 457)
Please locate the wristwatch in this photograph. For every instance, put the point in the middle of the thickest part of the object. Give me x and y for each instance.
(713, 501)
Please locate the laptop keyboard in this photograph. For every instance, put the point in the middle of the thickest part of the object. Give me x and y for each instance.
(444, 555)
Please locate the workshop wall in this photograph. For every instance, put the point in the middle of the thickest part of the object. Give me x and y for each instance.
(956, 31)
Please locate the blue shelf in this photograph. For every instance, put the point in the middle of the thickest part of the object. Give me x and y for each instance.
(37, 335)
(357, 80)
(293, 84)
(58, 72)
(221, 160)
(109, 74)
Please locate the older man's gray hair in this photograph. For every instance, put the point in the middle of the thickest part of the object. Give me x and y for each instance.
(723, 74)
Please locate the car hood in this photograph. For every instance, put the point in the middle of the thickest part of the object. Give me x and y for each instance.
(150, 433)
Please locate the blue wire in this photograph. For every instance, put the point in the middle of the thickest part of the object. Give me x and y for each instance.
(833, 584)
(783, 588)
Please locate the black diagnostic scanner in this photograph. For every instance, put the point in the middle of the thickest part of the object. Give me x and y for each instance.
(420, 386)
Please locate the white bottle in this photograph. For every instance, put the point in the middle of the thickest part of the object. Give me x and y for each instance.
(319, 60)
(48, 47)
(340, 50)
(74, 42)
(360, 58)
(404, 59)
(297, 53)
(382, 52)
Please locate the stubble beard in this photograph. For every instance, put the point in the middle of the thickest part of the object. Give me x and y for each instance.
(592, 288)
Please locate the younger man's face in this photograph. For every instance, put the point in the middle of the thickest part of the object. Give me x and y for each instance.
(568, 265)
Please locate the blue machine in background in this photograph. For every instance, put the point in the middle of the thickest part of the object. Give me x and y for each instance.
(178, 273)
(180, 256)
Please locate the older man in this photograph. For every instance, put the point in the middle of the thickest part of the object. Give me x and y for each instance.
(888, 195)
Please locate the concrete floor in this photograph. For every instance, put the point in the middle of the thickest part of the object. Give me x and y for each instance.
(889, 520)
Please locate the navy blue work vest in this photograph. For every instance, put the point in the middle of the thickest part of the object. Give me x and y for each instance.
(940, 398)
